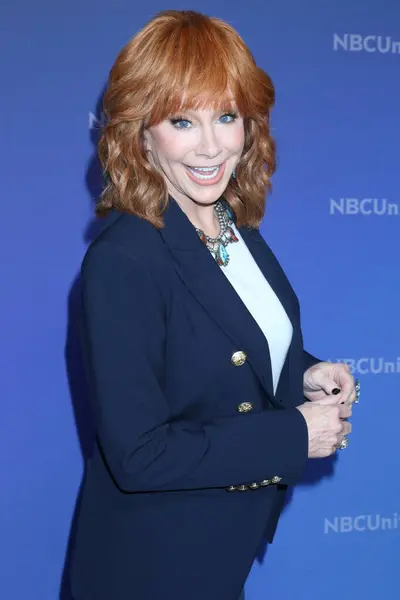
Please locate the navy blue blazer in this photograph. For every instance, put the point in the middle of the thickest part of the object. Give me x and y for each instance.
(194, 452)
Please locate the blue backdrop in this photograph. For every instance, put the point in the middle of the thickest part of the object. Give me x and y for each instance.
(336, 67)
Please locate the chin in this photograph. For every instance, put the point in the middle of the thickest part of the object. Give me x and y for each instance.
(210, 196)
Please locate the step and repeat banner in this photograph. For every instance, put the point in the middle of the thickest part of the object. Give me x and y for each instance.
(333, 220)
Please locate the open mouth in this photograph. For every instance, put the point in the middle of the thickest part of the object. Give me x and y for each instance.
(206, 174)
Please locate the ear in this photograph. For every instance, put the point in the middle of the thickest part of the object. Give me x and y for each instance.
(146, 140)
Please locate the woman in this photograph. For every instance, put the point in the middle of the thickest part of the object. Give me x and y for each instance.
(200, 383)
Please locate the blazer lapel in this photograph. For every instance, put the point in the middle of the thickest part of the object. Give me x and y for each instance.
(204, 279)
(277, 279)
(272, 271)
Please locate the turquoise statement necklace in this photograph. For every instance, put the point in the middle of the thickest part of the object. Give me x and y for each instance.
(217, 246)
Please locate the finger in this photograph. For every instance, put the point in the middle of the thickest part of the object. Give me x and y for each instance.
(342, 445)
(331, 399)
(345, 411)
(345, 381)
(343, 438)
(353, 396)
(346, 407)
(337, 428)
(330, 386)
(347, 428)
(341, 395)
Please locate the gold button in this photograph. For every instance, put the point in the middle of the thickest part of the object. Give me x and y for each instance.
(231, 488)
(276, 479)
(254, 486)
(242, 488)
(244, 407)
(238, 358)
(265, 482)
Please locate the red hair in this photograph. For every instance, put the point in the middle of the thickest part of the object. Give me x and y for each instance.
(182, 60)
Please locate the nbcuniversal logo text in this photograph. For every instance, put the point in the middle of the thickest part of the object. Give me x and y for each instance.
(374, 366)
(355, 42)
(362, 523)
(364, 206)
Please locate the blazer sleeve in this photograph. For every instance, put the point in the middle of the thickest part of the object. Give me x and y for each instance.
(124, 332)
(310, 360)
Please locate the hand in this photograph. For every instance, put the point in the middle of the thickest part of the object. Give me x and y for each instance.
(326, 425)
(320, 379)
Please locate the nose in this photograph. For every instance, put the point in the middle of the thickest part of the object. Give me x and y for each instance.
(209, 144)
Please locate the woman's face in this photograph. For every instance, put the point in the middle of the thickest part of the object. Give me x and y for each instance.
(196, 152)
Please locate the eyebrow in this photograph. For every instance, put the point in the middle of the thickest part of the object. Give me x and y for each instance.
(194, 111)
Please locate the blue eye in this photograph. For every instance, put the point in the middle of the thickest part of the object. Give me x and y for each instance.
(228, 118)
(180, 123)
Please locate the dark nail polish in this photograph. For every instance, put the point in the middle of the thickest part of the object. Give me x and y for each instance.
(336, 391)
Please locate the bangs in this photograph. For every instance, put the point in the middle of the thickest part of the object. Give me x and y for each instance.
(200, 70)
(187, 98)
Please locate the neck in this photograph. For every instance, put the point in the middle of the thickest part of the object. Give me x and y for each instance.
(202, 217)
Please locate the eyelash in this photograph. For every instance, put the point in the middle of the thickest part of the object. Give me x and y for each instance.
(175, 120)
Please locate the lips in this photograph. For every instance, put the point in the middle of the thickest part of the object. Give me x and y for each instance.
(206, 175)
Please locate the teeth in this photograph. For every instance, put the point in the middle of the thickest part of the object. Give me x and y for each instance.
(204, 172)
(204, 168)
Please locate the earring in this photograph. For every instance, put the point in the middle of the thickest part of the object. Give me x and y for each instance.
(234, 173)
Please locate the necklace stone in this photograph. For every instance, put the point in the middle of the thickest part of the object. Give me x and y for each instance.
(217, 246)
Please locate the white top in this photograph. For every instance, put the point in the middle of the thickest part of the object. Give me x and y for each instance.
(261, 301)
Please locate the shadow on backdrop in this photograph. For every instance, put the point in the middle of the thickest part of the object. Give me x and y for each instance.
(73, 351)
(316, 471)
